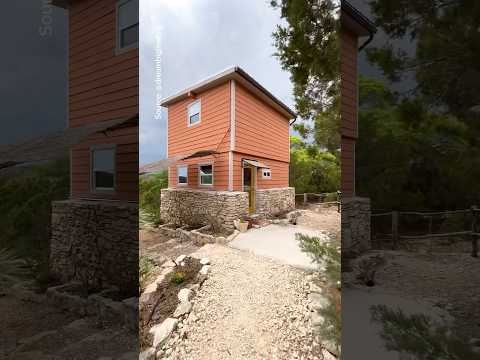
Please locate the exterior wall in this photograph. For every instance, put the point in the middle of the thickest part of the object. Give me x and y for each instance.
(96, 243)
(279, 170)
(102, 86)
(197, 207)
(260, 130)
(212, 133)
(275, 201)
(349, 104)
(220, 172)
(355, 226)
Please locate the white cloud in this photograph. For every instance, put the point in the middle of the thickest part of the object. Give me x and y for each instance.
(198, 39)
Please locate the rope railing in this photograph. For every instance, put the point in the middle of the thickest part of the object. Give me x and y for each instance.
(395, 235)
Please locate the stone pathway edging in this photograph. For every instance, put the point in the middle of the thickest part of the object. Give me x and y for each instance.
(172, 326)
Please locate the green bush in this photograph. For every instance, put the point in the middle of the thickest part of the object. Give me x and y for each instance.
(149, 196)
(146, 268)
(178, 277)
(418, 337)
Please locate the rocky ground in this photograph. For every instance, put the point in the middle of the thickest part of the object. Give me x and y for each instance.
(449, 282)
(248, 308)
(31, 329)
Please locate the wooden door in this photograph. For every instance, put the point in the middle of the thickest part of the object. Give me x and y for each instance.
(249, 181)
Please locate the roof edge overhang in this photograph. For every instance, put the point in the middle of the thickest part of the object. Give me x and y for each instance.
(355, 21)
(238, 74)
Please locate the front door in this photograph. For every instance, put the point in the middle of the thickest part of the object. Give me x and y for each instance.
(249, 186)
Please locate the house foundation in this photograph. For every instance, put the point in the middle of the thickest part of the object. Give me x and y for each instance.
(203, 207)
(96, 243)
(275, 201)
(355, 225)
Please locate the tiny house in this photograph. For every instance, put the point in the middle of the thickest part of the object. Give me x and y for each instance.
(230, 134)
(354, 25)
(101, 216)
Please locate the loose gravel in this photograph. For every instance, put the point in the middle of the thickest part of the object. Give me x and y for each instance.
(248, 308)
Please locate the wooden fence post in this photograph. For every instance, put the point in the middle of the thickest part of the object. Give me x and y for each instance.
(475, 230)
(394, 229)
(305, 198)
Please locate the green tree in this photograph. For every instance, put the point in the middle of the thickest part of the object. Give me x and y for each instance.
(308, 47)
(149, 195)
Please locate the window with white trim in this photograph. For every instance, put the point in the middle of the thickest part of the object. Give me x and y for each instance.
(182, 175)
(103, 168)
(127, 24)
(194, 110)
(206, 174)
(266, 173)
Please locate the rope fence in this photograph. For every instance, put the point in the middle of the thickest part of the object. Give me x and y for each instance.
(396, 237)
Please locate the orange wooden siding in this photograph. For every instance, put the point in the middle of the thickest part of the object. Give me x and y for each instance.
(279, 171)
(213, 131)
(102, 86)
(349, 104)
(220, 172)
(260, 129)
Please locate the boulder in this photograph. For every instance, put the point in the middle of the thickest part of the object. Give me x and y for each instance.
(182, 309)
(162, 332)
(185, 295)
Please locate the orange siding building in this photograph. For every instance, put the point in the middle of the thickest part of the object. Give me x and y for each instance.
(228, 133)
(103, 85)
(354, 25)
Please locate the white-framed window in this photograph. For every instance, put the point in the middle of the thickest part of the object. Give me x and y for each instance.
(194, 110)
(127, 25)
(182, 175)
(205, 174)
(102, 161)
(266, 173)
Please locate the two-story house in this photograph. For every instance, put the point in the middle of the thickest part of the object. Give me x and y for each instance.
(355, 210)
(101, 216)
(230, 138)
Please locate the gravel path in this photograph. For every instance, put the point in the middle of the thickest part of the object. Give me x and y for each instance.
(249, 308)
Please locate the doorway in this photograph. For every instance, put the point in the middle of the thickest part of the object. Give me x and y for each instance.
(249, 181)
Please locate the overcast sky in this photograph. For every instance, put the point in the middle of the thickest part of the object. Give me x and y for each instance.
(192, 40)
(33, 69)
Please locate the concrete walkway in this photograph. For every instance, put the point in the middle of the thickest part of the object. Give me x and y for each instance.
(277, 242)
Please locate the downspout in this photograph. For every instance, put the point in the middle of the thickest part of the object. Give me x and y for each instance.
(370, 38)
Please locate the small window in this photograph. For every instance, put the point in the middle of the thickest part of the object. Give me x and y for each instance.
(103, 168)
(206, 174)
(127, 24)
(182, 175)
(194, 113)
(266, 174)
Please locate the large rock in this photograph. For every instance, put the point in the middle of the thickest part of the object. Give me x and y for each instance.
(185, 295)
(148, 354)
(182, 309)
(162, 332)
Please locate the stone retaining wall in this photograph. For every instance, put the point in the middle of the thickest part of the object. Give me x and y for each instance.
(96, 243)
(202, 207)
(355, 225)
(275, 201)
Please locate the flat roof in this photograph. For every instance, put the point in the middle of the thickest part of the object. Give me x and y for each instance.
(238, 74)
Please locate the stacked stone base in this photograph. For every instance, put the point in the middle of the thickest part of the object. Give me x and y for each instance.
(355, 226)
(275, 201)
(203, 207)
(95, 243)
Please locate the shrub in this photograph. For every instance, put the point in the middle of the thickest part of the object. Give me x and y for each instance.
(146, 269)
(178, 277)
(12, 268)
(149, 195)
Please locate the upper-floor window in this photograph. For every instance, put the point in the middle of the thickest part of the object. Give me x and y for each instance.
(127, 25)
(182, 175)
(206, 174)
(194, 110)
(103, 167)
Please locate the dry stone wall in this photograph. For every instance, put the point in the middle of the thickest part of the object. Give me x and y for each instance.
(96, 243)
(202, 207)
(355, 225)
(275, 201)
